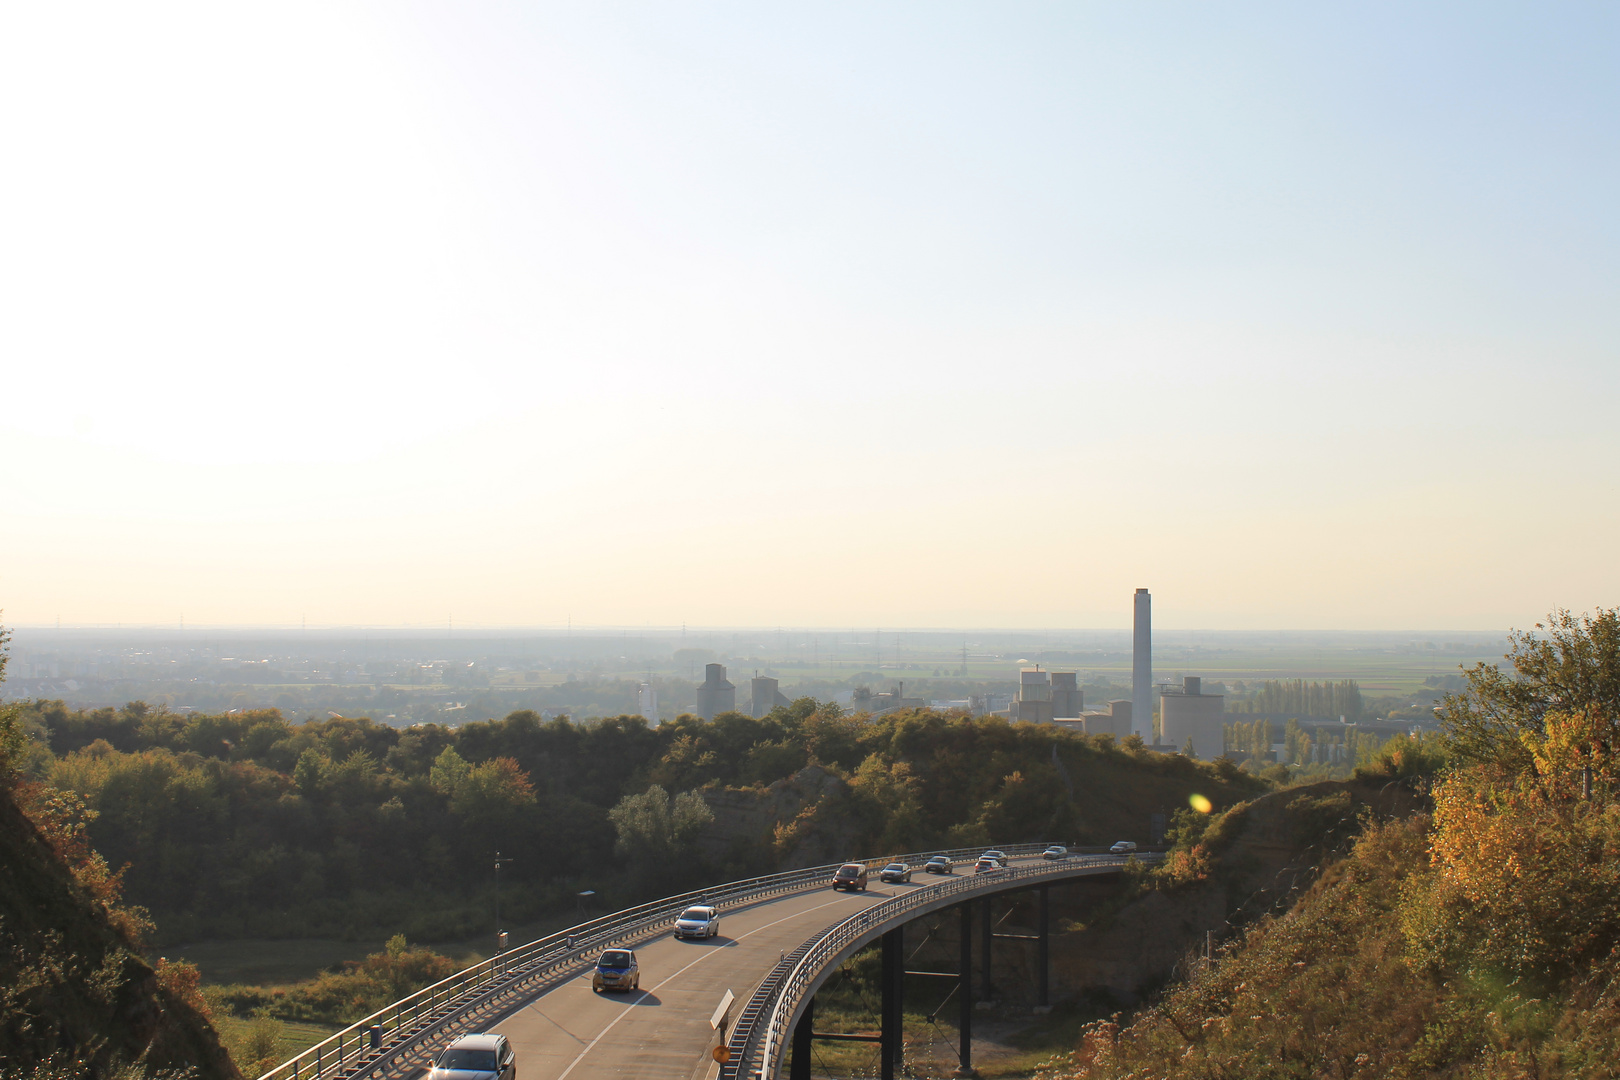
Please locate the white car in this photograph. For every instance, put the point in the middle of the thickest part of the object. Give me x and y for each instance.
(1124, 847)
(698, 922)
(475, 1057)
(1056, 851)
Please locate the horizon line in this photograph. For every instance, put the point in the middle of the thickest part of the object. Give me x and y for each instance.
(689, 628)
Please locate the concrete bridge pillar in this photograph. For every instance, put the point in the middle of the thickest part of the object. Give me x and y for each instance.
(802, 1034)
(964, 991)
(892, 1046)
(987, 929)
(1042, 967)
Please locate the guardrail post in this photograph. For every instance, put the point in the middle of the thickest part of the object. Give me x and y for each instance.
(892, 1046)
(1042, 967)
(800, 1069)
(964, 989)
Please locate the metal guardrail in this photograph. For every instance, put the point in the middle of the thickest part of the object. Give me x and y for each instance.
(410, 1019)
(780, 994)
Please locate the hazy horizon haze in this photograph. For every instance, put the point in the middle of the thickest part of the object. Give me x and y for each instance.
(922, 315)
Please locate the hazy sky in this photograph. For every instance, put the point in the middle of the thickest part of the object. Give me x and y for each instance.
(823, 314)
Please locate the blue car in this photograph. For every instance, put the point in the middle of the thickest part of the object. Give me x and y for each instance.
(616, 969)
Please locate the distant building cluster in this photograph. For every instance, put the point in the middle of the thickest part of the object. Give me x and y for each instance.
(716, 694)
(1189, 720)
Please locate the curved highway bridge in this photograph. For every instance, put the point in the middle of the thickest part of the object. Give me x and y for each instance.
(781, 937)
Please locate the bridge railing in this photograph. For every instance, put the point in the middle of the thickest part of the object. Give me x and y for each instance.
(411, 1016)
(807, 964)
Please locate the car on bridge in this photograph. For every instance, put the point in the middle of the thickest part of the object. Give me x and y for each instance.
(1056, 851)
(895, 872)
(987, 865)
(939, 864)
(1124, 847)
(851, 876)
(700, 921)
(998, 855)
(616, 969)
(476, 1057)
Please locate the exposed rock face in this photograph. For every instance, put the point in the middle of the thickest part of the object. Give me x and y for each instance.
(1281, 841)
(801, 820)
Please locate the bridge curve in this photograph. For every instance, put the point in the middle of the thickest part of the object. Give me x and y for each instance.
(781, 1000)
(540, 997)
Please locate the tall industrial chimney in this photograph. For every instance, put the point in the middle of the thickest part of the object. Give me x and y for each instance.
(1142, 667)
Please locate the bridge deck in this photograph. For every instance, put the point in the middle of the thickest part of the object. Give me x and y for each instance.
(662, 1032)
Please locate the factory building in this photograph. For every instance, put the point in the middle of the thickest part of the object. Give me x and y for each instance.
(878, 704)
(1034, 701)
(1186, 714)
(647, 702)
(1045, 696)
(1142, 667)
(715, 695)
(1068, 700)
(765, 696)
(1115, 720)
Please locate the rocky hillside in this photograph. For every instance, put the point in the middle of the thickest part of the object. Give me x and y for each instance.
(76, 999)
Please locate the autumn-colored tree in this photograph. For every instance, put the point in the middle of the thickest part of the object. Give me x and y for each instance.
(491, 790)
(1567, 665)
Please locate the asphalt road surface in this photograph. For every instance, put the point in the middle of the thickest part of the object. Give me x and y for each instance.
(662, 1031)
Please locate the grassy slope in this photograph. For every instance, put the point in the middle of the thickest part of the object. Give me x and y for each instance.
(1331, 988)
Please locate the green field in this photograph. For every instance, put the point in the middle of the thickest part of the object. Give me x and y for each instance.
(1379, 671)
(294, 1038)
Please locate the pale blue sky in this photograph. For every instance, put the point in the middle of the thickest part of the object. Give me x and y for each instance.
(920, 314)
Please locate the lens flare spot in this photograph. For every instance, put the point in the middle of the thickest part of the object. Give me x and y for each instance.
(1200, 804)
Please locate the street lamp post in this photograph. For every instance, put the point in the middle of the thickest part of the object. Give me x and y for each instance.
(500, 936)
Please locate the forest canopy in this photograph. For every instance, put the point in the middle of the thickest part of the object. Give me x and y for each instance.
(244, 823)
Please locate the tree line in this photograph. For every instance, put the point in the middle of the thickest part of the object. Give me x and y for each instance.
(1325, 700)
(246, 824)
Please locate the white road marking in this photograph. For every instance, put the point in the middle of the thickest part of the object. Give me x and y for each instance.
(669, 978)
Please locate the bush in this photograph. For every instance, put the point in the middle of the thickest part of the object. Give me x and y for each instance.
(358, 989)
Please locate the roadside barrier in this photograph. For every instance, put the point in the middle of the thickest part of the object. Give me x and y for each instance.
(370, 1043)
(756, 1048)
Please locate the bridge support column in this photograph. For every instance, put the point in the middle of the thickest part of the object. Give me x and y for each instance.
(892, 1046)
(964, 989)
(1042, 964)
(800, 1069)
(987, 990)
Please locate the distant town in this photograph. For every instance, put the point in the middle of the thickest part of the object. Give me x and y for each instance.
(1083, 679)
